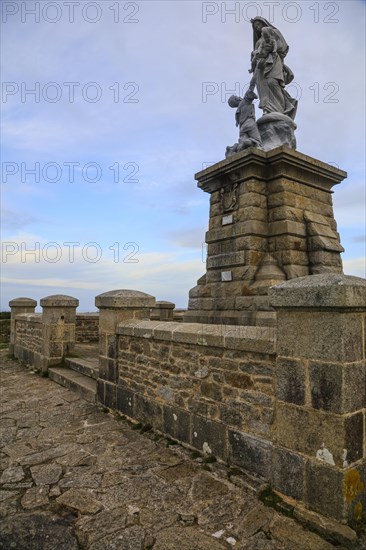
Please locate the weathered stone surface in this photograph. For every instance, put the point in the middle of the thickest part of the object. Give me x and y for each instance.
(325, 490)
(129, 488)
(59, 300)
(251, 453)
(13, 474)
(189, 538)
(288, 472)
(90, 529)
(291, 378)
(131, 538)
(46, 474)
(176, 423)
(80, 499)
(320, 335)
(321, 291)
(306, 430)
(299, 538)
(210, 437)
(38, 530)
(35, 497)
(124, 299)
(340, 388)
(333, 530)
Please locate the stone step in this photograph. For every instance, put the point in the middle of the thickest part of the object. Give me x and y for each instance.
(85, 386)
(87, 367)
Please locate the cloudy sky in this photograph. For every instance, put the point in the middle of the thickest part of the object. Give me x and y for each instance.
(111, 107)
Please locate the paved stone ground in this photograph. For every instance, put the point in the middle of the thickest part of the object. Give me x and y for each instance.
(73, 476)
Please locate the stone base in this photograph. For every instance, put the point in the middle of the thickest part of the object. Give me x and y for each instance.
(271, 219)
(276, 130)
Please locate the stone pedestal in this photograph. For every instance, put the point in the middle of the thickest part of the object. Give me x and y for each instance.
(320, 454)
(116, 306)
(271, 219)
(19, 305)
(163, 311)
(58, 321)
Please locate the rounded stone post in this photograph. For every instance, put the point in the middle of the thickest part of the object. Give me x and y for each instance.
(165, 310)
(58, 319)
(19, 305)
(116, 306)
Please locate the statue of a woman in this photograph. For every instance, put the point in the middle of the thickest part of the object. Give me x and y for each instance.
(270, 73)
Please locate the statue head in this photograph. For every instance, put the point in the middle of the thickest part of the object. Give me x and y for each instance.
(234, 101)
(266, 33)
(257, 24)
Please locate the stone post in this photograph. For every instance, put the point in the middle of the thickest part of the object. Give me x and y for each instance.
(19, 305)
(116, 306)
(58, 319)
(320, 452)
(165, 310)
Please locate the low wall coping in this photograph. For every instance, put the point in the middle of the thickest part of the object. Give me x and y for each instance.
(235, 337)
(87, 315)
(29, 317)
(124, 299)
(323, 291)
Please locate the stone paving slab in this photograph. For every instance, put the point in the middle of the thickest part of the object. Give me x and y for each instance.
(73, 476)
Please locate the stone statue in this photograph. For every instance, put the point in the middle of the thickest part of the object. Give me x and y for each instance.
(270, 76)
(270, 73)
(245, 118)
(264, 55)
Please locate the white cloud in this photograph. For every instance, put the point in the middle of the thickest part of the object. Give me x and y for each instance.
(355, 266)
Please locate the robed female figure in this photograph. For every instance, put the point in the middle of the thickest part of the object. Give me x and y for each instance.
(271, 74)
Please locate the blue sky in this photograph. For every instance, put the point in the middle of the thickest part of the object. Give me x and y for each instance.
(143, 86)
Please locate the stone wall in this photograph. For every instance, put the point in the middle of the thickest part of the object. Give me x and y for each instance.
(43, 339)
(87, 328)
(286, 403)
(206, 386)
(28, 337)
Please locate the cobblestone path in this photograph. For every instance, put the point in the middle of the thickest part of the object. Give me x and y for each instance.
(74, 476)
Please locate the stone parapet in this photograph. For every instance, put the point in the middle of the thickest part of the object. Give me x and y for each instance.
(87, 328)
(207, 386)
(28, 338)
(19, 305)
(43, 340)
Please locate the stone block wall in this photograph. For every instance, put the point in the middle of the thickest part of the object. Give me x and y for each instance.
(204, 385)
(286, 403)
(87, 328)
(28, 337)
(43, 339)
